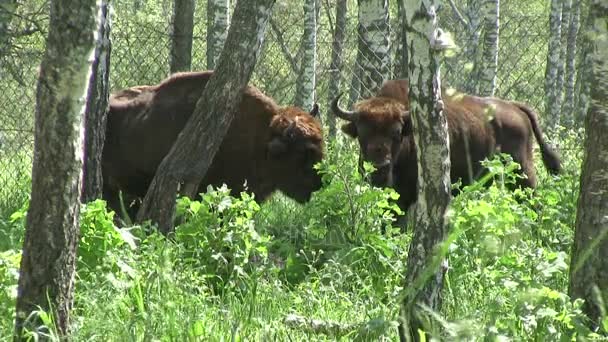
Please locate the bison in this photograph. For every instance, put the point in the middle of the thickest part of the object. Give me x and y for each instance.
(478, 127)
(266, 148)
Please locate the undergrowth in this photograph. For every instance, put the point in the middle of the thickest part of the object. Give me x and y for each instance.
(236, 270)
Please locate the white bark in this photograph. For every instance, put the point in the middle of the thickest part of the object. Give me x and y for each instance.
(491, 10)
(374, 45)
(430, 131)
(553, 60)
(218, 21)
(568, 105)
(306, 82)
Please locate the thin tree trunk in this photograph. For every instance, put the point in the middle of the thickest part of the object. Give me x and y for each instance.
(487, 76)
(48, 263)
(337, 60)
(181, 42)
(8, 8)
(401, 62)
(424, 277)
(96, 109)
(568, 105)
(472, 49)
(561, 66)
(212, 116)
(306, 82)
(218, 21)
(553, 60)
(589, 265)
(374, 45)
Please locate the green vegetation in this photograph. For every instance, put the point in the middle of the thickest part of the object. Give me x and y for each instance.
(237, 270)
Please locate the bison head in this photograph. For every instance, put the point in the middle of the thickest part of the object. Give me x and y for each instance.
(295, 146)
(379, 124)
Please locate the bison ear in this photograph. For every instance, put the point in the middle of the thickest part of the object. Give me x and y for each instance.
(350, 129)
(315, 110)
(276, 147)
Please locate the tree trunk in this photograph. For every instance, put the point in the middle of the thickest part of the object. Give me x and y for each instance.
(424, 277)
(306, 82)
(96, 109)
(401, 62)
(472, 49)
(374, 45)
(204, 132)
(553, 60)
(218, 21)
(8, 8)
(49, 250)
(181, 42)
(487, 76)
(559, 82)
(568, 105)
(337, 60)
(589, 265)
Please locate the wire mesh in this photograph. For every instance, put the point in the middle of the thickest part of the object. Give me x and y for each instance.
(141, 34)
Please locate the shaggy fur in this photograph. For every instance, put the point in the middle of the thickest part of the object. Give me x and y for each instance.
(266, 148)
(478, 128)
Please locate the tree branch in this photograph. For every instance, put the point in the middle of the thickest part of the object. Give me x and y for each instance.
(459, 15)
(283, 45)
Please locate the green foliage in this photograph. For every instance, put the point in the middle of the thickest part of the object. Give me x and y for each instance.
(218, 236)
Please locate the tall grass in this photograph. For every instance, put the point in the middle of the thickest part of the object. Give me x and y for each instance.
(324, 271)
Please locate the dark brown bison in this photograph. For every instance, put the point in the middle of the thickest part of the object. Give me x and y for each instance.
(478, 127)
(266, 148)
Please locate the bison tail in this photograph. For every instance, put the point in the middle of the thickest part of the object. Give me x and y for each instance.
(550, 157)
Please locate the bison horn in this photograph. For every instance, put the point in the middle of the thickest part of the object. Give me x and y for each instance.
(315, 110)
(341, 113)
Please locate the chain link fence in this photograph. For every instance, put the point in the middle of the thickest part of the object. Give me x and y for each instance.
(141, 35)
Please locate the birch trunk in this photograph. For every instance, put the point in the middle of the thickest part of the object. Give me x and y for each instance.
(96, 109)
(337, 60)
(374, 45)
(561, 66)
(181, 39)
(424, 277)
(306, 81)
(401, 62)
(212, 116)
(472, 48)
(568, 105)
(487, 76)
(553, 60)
(48, 262)
(589, 265)
(218, 21)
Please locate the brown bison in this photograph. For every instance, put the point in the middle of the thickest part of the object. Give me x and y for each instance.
(266, 148)
(478, 127)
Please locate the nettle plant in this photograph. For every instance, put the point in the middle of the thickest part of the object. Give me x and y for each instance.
(218, 236)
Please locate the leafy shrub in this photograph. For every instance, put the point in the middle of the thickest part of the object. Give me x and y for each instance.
(218, 236)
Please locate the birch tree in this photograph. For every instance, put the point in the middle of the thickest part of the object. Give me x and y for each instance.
(487, 75)
(218, 21)
(337, 59)
(424, 277)
(570, 77)
(561, 66)
(204, 132)
(48, 263)
(181, 38)
(553, 60)
(96, 108)
(8, 8)
(306, 82)
(374, 45)
(589, 264)
(401, 62)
